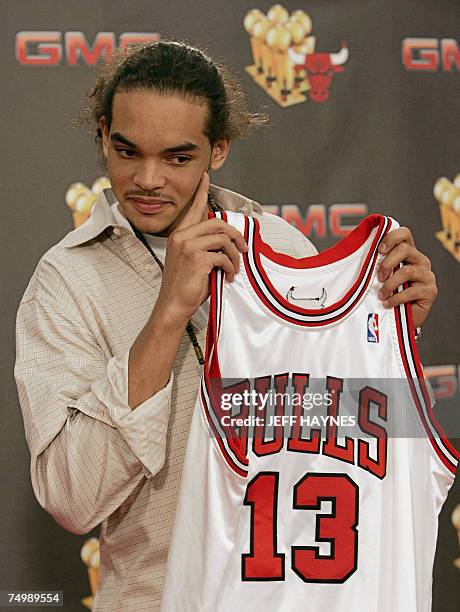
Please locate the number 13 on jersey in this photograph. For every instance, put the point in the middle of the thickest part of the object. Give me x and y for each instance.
(339, 528)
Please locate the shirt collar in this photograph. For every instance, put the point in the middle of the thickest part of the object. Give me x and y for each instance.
(102, 215)
(100, 219)
(119, 218)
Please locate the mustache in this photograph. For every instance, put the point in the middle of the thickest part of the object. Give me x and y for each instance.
(149, 194)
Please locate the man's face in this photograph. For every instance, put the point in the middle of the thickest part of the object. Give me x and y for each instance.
(156, 154)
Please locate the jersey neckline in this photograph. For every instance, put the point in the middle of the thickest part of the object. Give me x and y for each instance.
(350, 244)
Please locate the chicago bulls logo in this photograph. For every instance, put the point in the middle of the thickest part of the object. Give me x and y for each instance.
(285, 62)
(320, 68)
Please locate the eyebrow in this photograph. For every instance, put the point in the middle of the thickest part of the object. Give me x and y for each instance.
(185, 146)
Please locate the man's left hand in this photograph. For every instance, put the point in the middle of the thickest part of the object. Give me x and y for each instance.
(399, 246)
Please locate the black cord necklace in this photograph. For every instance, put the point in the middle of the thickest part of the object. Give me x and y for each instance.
(190, 331)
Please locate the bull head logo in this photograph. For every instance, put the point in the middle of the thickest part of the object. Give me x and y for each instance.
(320, 68)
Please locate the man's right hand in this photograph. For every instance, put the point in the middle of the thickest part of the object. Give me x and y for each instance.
(194, 248)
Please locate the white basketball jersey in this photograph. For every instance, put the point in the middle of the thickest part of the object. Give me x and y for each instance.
(315, 470)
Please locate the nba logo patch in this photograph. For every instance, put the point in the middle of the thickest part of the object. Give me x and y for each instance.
(373, 334)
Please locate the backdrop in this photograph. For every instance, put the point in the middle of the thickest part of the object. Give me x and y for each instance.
(363, 98)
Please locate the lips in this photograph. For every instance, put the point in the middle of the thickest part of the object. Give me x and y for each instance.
(147, 205)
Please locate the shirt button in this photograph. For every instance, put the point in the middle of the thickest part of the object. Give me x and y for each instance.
(148, 267)
(116, 231)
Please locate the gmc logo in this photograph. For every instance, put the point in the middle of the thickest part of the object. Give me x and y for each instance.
(320, 220)
(430, 53)
(51, 48)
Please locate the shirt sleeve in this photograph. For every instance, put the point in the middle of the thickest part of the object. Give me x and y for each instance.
(143, 428)
(89, 450)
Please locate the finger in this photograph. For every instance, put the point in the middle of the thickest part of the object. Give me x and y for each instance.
(197, 211)
(408, 273)
(402, 297)
(220, 260)
(215, 226)
(394, 237)
(420, 306)
(220, 242)
(401, 253)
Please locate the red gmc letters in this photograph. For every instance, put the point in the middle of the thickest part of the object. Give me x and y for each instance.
(52, 48)
(429, 54)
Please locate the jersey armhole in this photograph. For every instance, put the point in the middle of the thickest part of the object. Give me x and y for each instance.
(211, 389)
(413, 369)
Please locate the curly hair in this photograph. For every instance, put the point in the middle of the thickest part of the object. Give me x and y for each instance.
(171, 67)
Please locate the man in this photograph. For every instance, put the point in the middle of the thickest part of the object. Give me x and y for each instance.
(107, 378)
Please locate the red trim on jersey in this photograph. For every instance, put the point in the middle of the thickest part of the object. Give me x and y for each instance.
(212, 382)
(348, 245)
(345, 247)
(409, 351)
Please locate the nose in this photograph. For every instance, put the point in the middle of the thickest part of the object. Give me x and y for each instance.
(148, 175)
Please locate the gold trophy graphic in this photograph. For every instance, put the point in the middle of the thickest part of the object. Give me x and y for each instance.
(90, 557)
(80, 198)
(271, 36)
(448, 196)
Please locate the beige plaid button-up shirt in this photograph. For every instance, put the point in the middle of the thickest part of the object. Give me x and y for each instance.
(94, 460)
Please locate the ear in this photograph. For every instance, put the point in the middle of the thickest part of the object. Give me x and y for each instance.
(219, 153)
(105, 137)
